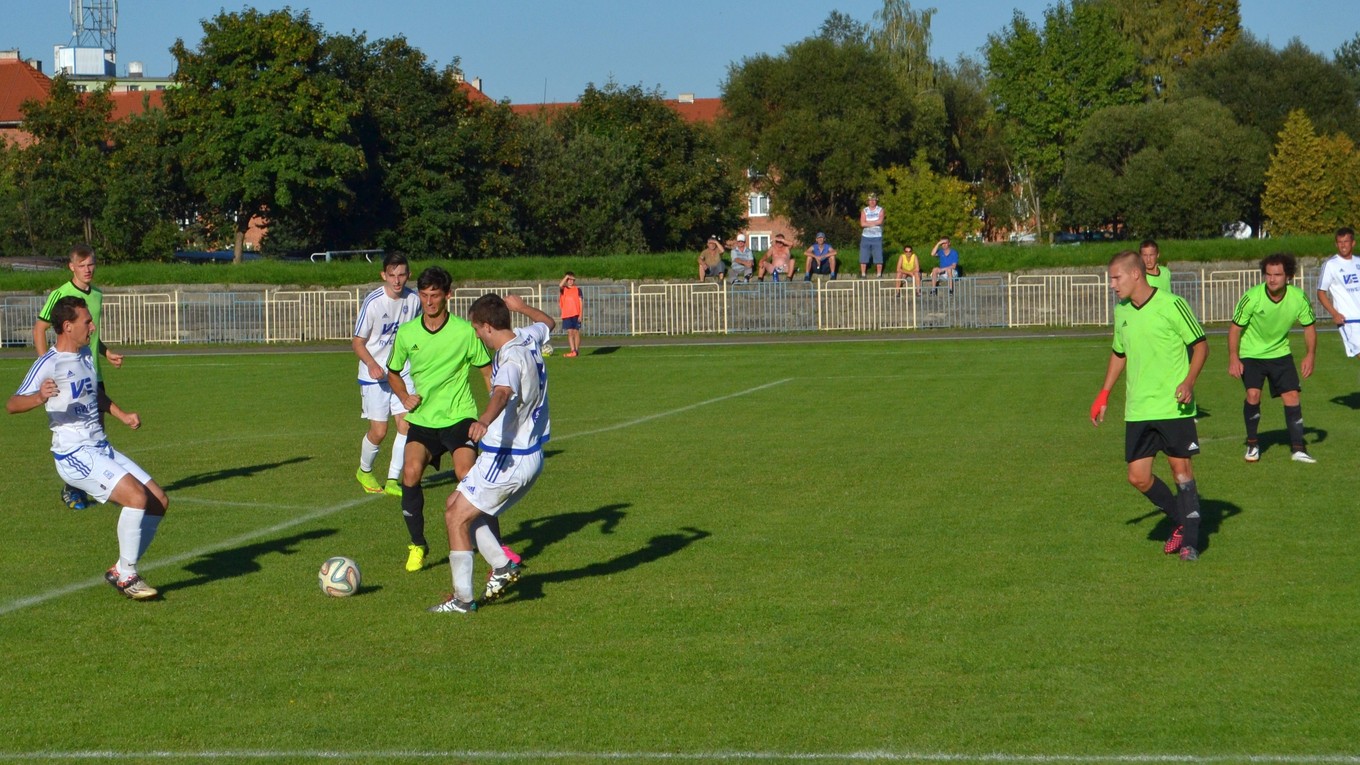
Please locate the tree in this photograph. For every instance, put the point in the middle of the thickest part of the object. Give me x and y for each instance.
(1173, 33)
(1298, 190)
(903, 37)
(1179, 169)
(1045, 82)
(266, 129)
(975, 148)
(1342, 163)
(842, 29)
(924, 205)
(1262, 86)
(813, 124)
(145, 197)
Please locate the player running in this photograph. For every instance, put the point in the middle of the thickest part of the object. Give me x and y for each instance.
(63, 381)
(512, 432)
(385, 309)
(1152, 330)
(1258, 350)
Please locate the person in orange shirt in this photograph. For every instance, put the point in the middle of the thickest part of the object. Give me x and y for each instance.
(569, 300)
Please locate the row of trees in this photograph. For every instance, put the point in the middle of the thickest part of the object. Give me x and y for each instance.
(1151, 117)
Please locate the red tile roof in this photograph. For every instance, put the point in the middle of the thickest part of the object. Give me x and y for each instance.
(126, 104)
(474, 95)
(700, 110)
(19, 82)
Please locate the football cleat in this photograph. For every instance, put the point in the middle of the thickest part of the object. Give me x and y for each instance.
(415, 557)
(1304, 457)
(1174, 542)
(367, 481)
(1253, 453)
(1189, 553)
(501, 579)
(133, 587)
(392, 488)
(74, 498)
(570, 354)
(453, 605)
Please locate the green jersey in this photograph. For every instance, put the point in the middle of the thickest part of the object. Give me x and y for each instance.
(1266, 321)
(1152, 338)
(1161, 280)
(94, 300)
(440, 363)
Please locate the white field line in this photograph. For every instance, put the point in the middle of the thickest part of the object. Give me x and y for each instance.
(538, 756)
(659, 415)
(86, 584)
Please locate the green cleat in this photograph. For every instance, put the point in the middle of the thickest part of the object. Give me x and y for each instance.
(415, 557)
(367, 481)
(392, 488)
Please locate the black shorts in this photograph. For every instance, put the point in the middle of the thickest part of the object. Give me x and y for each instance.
(1176, 438)
(571, 322)
(821, 266)
(440, 441)
(1281, 372)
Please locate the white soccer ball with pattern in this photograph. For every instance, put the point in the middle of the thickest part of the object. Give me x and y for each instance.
(547, 350)
(339, 577)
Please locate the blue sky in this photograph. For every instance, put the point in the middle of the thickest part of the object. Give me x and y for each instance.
(535, 50)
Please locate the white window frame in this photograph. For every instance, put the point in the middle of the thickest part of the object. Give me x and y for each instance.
(758, 242)
(757, 205)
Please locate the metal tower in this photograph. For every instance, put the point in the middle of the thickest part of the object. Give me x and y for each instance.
(94, 24)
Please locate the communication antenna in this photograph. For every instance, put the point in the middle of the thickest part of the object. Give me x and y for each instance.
(94, 24)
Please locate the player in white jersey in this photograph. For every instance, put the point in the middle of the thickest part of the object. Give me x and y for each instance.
(512, 431)
(63, 381)
(385, 308)
(1339, 290)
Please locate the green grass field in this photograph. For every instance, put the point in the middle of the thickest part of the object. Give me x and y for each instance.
(906, 551)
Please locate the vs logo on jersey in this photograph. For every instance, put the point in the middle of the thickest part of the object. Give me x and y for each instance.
(81, 387)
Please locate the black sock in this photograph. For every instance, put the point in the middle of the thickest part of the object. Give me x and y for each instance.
(1293, 420)
(1159, 494)
(1187, 497)
(413, 512)
(1251, 413)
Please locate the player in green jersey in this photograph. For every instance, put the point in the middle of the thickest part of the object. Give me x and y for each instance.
(443, 349)
(1152, 330)
(1158, 276)
(1258, 350)
(81, 262)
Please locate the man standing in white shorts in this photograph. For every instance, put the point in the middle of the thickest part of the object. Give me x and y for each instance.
(1339, 290)
(511, 432)
(83, 456)
(385, 308)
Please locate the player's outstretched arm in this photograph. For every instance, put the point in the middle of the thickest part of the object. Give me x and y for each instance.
(1112, 372)
(517, 304)
(18, 404)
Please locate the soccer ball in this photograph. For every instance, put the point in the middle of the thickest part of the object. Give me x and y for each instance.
(547, 350)
(339, 577)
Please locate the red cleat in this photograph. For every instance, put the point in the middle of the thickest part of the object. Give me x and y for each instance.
(1174, 543)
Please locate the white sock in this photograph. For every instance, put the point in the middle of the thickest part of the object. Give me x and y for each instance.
(460, 562)
(149, 525)
(489, 546)
(368, 451)
(129, 540)
(398, 457)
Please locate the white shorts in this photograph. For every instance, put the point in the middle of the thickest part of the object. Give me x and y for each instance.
(1350, 337)
(379, 402)
(96, 470)
(497, 481)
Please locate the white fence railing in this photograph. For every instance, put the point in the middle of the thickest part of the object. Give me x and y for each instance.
(295, 316)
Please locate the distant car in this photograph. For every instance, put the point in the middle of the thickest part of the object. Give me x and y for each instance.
(1024, 237)
(1077, 237)
(1237, 230)
(211, 256)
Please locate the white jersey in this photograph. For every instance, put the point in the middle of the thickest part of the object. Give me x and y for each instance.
(1341, 280)
(523, 426)
(379, 317)
(72, 414)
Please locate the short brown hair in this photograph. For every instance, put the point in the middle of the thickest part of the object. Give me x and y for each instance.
(490, 309)
(65, 310)
(80, 252)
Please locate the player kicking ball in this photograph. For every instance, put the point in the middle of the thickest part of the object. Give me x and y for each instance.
(63, 381)
(512, 432)
(1152, 330)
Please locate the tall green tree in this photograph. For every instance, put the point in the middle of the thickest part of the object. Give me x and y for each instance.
(1173, 33)
(927, 206)
(814, 123)
(1045, 82)
(145, 198)
(266, 130)
(1342, 165)
(1298, 189)
(1179, 169)
(902, 35)
(1263, 85)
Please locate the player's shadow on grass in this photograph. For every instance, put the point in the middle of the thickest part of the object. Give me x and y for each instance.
(1351, 400)
(1268, 439)
(240, 561)
(213, 476)
(1212, 514)
(531, 584)
(537, 534)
